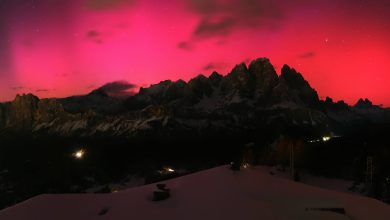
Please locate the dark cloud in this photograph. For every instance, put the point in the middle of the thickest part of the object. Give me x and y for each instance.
(204, 6)
(118, 88)
(107, 4)
(209, 66)
(92, 34)
(17, 88)
(209, 28)
(307, 55)
(213, 66)
(95, 36)
(185, 45)
(221, 18)
(42, 90)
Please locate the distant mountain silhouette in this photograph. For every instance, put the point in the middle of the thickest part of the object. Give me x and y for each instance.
(249, 99)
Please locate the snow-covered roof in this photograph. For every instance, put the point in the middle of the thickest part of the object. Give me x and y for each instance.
(217, 193)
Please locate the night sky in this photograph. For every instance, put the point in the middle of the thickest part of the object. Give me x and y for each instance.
(57, 48)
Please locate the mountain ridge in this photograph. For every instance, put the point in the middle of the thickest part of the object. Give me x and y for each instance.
(248, 98)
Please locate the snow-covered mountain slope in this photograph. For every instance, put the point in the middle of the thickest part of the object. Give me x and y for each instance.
(217, 193)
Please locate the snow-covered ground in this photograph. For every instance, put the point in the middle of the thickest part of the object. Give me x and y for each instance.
(322, 182)
(129, 182)
(217, 193)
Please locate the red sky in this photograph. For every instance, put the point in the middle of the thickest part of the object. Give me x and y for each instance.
(57, 48)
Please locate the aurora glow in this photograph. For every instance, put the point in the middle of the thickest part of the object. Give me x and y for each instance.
(57, 48)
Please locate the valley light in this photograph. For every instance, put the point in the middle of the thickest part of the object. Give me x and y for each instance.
(325, 138)
(79, 154)
(166, 170)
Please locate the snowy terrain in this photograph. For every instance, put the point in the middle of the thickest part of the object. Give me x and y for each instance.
(217, 193)
(318, 181)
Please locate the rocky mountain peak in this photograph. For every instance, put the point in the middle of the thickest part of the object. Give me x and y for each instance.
(292, 87)
(239, 73)
(364, 103)
(292, 77)
(265, 75)
(328, 100)
(330, 105)
(244, 99)
(22, 110)
(26, 98)
(181, 83)
(215, 78)
(239, 68)
(239, 79)
(199, 77)
(49, 109)
(98, 92)
(257, 83)
(201, 85)
(261, 66)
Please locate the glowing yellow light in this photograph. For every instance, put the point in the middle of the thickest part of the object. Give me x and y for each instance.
(245, 165)
(79, 154)
(326, 138)
(166, 170)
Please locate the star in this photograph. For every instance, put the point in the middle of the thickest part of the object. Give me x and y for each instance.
(326, 40)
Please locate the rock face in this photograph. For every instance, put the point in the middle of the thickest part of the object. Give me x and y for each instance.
(364, 104)
(257, 84)
(2, 115)
(335, 107)
(48, 110)
(265, 77)
(215, 78)
(292, 87)
(248, 99)
(26, 110)
(22, 112)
